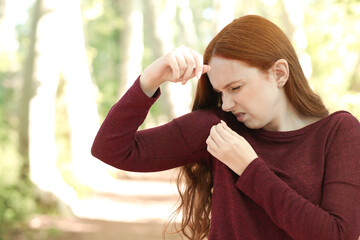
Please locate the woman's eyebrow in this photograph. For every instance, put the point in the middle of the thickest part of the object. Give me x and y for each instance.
(227, 85)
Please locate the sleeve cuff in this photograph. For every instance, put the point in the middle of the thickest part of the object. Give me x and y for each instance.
(247, 173)
(140, 93)
(254, 175)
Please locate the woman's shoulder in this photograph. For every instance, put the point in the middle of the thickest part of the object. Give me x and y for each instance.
(342, 119)
(340, 123)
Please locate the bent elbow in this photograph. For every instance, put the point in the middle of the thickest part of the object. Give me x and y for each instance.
(98, 150)
(114, 156)
(95, 151)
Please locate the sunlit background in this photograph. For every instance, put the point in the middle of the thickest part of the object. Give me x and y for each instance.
(63, 64)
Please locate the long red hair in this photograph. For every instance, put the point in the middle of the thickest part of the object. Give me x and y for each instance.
(259, 43)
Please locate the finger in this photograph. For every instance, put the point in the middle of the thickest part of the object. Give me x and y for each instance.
(173, 63)
(199, 61)
(191, 65)
(205, 69)
(224, 133)
(212, 147)
(216, 136)
(180, 58)
(227, 128)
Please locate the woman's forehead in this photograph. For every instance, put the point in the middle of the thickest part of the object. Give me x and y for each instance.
(227, 70)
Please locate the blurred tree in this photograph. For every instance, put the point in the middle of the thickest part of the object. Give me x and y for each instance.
(27, 92)
(16, 192)
(131, 42)
(352, 8)
(204, 21)
(79, 95)
(9, 84)
(103, 29)
(39, 89)
(186, 33)
(152, 41)
(61, 51)
(333, 33)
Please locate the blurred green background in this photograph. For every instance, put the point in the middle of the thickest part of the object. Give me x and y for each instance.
(63, 64)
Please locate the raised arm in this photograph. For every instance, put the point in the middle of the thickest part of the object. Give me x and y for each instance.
(118, 142)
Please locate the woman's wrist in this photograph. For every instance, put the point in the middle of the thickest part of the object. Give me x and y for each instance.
(148, 85)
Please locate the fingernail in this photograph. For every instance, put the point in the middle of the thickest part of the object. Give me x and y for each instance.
(198, 75)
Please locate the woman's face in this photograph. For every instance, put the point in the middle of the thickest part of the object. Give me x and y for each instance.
(252, 95)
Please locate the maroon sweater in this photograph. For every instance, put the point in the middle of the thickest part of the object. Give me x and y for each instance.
(304, 185)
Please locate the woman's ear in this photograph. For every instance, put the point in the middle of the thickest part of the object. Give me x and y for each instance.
(281, 72)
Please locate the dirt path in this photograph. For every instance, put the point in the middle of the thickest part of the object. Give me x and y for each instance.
(125, 209)
(87, 229)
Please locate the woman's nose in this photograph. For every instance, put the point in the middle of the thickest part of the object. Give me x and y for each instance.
(227, 103)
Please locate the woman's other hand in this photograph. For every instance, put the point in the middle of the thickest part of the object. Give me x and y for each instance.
(179, 65)
(230, 148)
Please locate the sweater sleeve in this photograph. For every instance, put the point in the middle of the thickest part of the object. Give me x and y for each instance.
(120, 144)
(338, 216)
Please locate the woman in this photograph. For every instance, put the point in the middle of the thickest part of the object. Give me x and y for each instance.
(260, 156)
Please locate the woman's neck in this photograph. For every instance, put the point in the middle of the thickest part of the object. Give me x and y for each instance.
(289, 119)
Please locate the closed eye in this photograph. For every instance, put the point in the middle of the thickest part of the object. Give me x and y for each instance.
(235, 88)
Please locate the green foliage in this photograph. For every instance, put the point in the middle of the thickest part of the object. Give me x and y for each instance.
(17, 195)
(16, 204)
(333, 44)
(17, 200)
(103, 33)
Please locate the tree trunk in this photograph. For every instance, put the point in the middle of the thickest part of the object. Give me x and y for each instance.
(185, 22)
(44, 76)
(131, 43)
(79, 95)
(27, 92)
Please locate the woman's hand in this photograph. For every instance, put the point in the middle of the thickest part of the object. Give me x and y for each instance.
(230, 148)
(179, 65)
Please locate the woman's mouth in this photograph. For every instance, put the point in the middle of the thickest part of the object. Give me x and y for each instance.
(240, 116)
